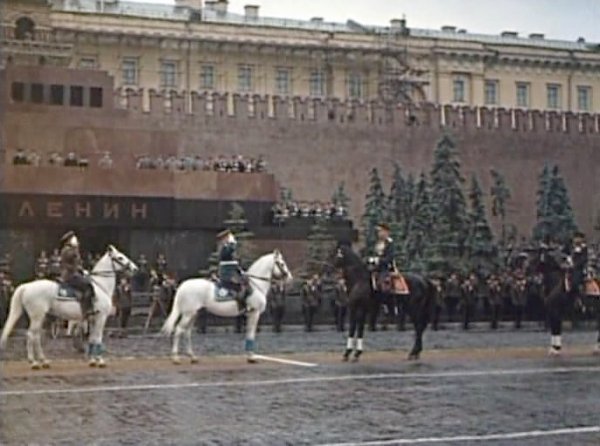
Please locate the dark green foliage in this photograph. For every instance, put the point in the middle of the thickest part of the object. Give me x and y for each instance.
(480, 249)
(555, 218)
(500, 194)
(418, 236)
(375, 211)
(450, 224)
(340, 197)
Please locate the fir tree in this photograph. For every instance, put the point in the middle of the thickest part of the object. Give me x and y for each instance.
(500, 194)
(480, 244)
(419, 231)
(449, 217)
(320, 246)
(340, 197)
(374, 211)
(543, 213)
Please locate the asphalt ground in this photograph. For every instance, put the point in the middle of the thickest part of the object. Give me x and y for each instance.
(477, 387)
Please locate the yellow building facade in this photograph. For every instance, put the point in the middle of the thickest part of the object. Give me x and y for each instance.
(197, 46)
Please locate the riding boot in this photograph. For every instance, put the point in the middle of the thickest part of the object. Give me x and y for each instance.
(87, 308)
(240, 298)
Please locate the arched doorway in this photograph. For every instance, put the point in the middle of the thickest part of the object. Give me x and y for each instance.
(24, 29)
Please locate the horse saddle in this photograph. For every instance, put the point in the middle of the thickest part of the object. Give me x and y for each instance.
(393, 283)
(226, 293)
(592, 288)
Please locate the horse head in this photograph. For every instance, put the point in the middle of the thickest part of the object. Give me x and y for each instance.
(120, 262)
(280, 268)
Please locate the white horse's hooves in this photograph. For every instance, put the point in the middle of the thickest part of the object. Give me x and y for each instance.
(176, 360)
(554, 352)
(92, 362)
(193, 360)
(35, 365)
(252, 360)
(101, 363)
(46, 364)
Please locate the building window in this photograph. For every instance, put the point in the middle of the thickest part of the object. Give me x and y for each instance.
(355, 86)
(129, 71)
(207, 77)
(523, 94)
(459, 90)
(553, 96)
(584, 98)
(283, 81)
(57, 94)
(168, 74)
(17, 91)
(87, 63)
(96, 97)
(24, 29)
(317, 83)
(76, 96)
(37, 93)
(491, 92)
(245, 78)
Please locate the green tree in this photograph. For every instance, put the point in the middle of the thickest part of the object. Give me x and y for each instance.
(340, 196)
(320, 246)
(419, 231)
(555, 216)
(450, 224)
(375, 211)
(479, 245)
(500, 194)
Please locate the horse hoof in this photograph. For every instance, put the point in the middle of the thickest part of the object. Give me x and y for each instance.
(193, 360)
(554, 352)
(46, 364)
(35, 365)
(252, 360)
(101, 363)
(92, 362)
(176, 360)
(412, 356)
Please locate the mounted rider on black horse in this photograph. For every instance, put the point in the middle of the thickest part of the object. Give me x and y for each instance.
(72, 273)
(383, 262)
(578, 261)
(231, 275)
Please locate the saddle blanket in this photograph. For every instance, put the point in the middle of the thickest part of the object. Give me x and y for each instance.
(399, 285)
(66, 291)
(223, 294)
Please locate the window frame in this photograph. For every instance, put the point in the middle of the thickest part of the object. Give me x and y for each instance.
(527, 97)
(558, 89)
(355, 81)
(494, 84)
(125, 78)
(455, 98)
(168, 78)
(588, 98)
(205, 68)
(245, 78)
(316, 82)
(283, 81)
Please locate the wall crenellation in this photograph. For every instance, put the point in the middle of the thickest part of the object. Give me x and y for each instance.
(359, 113)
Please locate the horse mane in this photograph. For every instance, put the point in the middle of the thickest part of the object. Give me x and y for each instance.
(258, 262)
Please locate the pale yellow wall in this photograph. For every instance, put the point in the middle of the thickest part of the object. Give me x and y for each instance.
(182, 42)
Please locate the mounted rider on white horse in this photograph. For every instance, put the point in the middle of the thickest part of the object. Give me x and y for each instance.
(72, 273)
(230, 273)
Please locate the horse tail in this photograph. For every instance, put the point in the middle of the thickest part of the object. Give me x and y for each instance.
(16, 310)
(169, 325)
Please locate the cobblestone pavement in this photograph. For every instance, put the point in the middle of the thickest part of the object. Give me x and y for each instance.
(467, 386)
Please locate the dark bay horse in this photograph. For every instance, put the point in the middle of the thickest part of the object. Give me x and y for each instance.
(361, 298)
(557, 290)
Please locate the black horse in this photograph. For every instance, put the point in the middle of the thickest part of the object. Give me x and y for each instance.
(557, 291)
(362, 298)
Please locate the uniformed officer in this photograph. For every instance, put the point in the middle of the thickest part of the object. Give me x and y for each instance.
(230, 272)
(384, 258)
(311, 300)
(578, 252)
(276, 301)
(72, 273)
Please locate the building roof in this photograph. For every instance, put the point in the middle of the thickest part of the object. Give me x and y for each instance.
(209, 15)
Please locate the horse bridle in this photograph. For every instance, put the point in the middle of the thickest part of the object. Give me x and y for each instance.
(113, 261)
(279, 264)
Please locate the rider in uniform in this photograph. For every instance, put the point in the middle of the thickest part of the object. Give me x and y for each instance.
(72, 273)
(230, 272)
(384, 258)
(578, 252)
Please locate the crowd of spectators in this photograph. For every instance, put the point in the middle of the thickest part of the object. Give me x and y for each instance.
(235, 163)
(283, 211)
(71, 159)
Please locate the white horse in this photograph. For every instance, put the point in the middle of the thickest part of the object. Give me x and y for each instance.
(194, 294)
(41, 297)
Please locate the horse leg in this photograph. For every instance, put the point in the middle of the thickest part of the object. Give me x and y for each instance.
(597, 305)
(188, 335)
(362, 318)
(31, 349)
(555, 323)
(251, 325)
(180, 330)
(351, 333)
(95, 347)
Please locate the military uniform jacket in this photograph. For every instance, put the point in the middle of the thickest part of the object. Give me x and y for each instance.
(70, 260)
(385, 255)
(228, 263)
(311, 294)
(579, 254)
